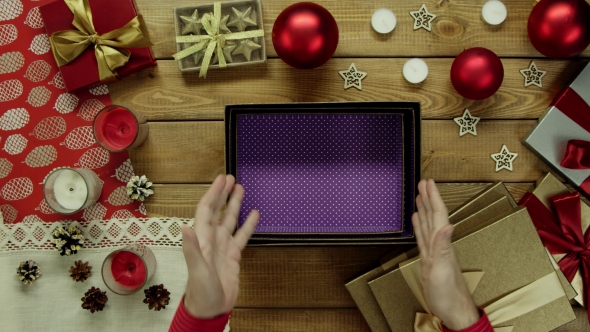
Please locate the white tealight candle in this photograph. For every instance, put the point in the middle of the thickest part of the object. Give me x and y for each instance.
(70, 189)
(494, 12)
(415, 70)
(383, 20)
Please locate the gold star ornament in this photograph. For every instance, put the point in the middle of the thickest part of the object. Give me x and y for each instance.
(245, 47)
(227, 49)
(192, 24)
(504, 159)
(467, 123)
(422, 18)
(532, 75)
(352, 77)
(241, 20)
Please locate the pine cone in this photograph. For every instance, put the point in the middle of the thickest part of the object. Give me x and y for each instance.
(94, 300)
(69, 241)
(28, 272)
(80, 271)
(157, 297)
(139, 188)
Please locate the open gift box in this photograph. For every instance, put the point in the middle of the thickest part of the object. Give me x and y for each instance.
(326, 173)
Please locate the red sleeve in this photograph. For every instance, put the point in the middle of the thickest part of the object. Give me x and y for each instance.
(482, 325)
(183, 321)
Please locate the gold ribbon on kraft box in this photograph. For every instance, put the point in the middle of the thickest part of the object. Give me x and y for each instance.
(514, 304)
(109, 48)
(213, 41)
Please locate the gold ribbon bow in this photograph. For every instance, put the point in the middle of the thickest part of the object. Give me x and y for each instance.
(521, 301)
(212, 41)
(109, 48)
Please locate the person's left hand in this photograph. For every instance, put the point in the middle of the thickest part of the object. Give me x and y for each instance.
(212, 254)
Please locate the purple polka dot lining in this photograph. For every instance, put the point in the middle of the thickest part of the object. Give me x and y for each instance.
(322, 173)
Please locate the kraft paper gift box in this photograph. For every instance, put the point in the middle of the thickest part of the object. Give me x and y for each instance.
(511, 262)
(562, 134)
(187, 63)
(547, 188)
(489, 203)
(326, 173)
(107, 15)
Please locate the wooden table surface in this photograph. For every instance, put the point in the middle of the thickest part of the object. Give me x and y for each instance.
(302, 289)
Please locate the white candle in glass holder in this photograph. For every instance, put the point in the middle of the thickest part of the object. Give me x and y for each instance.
(70, 189)
(493, 12)
(383, 20)
(415, 70)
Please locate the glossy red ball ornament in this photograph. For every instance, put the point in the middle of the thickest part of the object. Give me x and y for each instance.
(560, 28)
(305, 35)
(477, 73)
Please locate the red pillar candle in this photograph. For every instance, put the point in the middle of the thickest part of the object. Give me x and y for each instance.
(128, 269)
(117, 128)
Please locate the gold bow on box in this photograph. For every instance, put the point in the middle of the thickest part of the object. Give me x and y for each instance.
(214, 41)
(109, 48)
(521, 301)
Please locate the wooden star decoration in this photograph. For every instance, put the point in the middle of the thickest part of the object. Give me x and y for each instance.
(422, 18)
(223, 25)
(227, 49)
(352, 77)
(532, 75)
(245, 47)
(241, 20)
(467, 123)
(192, 24)
(504, 159)
(198, 56)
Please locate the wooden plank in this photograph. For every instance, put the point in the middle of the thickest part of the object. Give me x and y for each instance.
(304, 277)
(458, 26)
(298, 320)
(341, 320)
(193, 152)
(180, 200)
(163, 93)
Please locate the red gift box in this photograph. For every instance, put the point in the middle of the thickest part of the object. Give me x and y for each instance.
(107, 15)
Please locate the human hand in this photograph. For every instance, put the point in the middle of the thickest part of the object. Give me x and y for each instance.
(212, 254)
(446, 291)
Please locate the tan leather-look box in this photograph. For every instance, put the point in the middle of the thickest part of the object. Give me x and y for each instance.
(510, 254)
(489, 203)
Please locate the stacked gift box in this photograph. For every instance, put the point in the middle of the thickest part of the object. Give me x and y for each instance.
(497, 247)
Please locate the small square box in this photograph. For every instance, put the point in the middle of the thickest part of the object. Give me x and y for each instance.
(326, 172)
(188, 64)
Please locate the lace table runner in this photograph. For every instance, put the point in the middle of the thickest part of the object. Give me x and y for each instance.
(54, 300)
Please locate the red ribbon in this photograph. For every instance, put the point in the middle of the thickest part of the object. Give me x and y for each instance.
(577, 155)
(561, 233)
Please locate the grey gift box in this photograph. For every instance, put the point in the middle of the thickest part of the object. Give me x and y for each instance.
(549, 138)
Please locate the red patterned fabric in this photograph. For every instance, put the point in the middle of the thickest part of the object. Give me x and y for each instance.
(42, 127)
(183, 321)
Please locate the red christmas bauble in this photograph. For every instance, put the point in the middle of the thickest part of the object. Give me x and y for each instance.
(305, 35)
(477, 73)
(560, 28)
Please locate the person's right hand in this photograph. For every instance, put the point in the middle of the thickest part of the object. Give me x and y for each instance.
(213, 253)
(445, 288)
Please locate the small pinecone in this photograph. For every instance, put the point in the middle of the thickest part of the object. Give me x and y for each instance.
(80, 271)
(94, 300)
(139, 188)
(157, 297)
(28, 272)
(68, 241)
